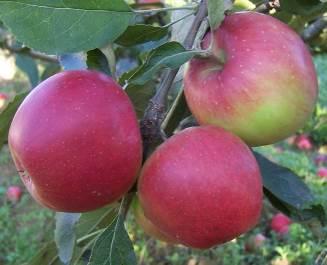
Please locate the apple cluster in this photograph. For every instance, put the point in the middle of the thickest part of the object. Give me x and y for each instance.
(76, 141)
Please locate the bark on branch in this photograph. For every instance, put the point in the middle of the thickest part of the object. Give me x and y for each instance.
(315, 28)
(30, 53)
(155, 112)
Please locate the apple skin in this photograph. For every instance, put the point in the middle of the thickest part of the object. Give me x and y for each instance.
(303, 142)
(14, 194)
(3, 99)
(148, 227)
(201, 187)
(266, 89)
(322, 172)
(76, 142)
(280, 224)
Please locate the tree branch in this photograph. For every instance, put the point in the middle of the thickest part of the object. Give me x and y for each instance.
(30, 53)
(314, 29)
(155, 112)
(267, 6)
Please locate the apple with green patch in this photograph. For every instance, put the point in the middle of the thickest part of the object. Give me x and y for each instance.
(259, 82)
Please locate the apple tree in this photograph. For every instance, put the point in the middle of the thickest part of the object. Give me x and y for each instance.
(158, 106)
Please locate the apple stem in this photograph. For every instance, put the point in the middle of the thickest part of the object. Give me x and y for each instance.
(155, 112)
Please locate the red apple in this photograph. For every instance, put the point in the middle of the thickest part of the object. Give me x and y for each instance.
(148, 227)
(259, 83)
(254, 242)
(14, 193)
(3, 99)
(322, 172)
(303, 142)
(76, 141)
(202, 187)
(280, 224)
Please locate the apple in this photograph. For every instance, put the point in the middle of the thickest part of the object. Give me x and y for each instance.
(259, 83)
(14, 194)
(76, 141)
(202, 187)
(322, 172)
(280, 224)
(255, 242)
(148, 227)
(303, 142)
(3, 99)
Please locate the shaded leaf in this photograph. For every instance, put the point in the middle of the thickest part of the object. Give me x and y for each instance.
(8, 114)
(86, 232)
(97, 219)
(65, 235)
(288, 192)
(140, 96)
(303, 7)
(56, 27)
(96, 60)
(47, 255)
(28, 65)
(137, 34)
(82, 254)
(113, 246)
(178, 111)
(216, 10)
(169, 55)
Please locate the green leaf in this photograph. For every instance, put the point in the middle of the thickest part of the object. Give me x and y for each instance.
(140, 96)
(113, 246)
(65, 237)
(96, 60)
(81, 254)
(86, 231)
(303, 7)
(97, 219)
(169, 55)
(28, 65)
(178, 111)
(288, 192)
(8, 114)
(216, 10)
(56, 27)
(137, 34)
